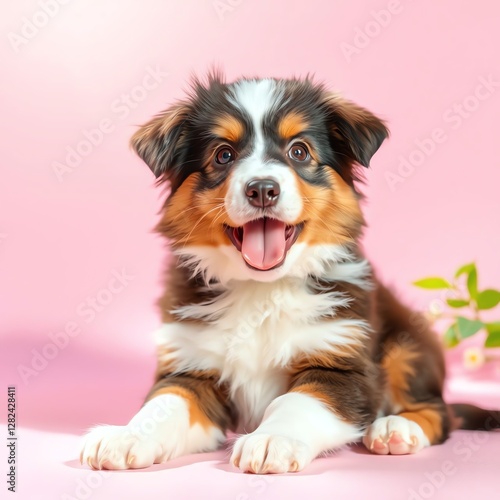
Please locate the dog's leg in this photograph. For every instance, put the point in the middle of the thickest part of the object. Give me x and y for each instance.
(409, 431)
(414, 368)
(181, 415)
(295, 429)
(325, 409)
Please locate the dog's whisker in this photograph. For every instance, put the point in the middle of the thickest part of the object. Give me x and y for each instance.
(186, 238)
(201, 205)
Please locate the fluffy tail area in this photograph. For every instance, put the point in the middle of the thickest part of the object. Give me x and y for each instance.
(473, 418)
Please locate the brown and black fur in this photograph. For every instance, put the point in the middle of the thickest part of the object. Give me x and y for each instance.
(400, 370)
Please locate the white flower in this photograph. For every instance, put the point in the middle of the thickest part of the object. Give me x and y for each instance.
(436, 308)
(473, 358)
(434, 311)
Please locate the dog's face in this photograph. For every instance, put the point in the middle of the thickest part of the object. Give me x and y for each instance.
(262, 176)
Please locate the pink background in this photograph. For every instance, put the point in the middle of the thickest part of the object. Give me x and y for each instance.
(61, 240)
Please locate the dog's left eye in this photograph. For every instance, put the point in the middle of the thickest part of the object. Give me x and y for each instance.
(298, 152)
(224, 155)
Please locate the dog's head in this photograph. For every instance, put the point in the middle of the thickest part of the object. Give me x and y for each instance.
(262, 176)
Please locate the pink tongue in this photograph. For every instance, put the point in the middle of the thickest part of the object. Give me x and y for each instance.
(264, 244)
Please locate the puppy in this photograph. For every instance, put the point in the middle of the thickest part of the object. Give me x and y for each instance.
(274, 324)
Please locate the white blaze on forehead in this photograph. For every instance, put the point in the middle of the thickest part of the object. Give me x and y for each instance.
(257, 99)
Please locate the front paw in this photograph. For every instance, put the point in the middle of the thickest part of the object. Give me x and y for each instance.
(116, 447)
(266, 454)
(395, 435)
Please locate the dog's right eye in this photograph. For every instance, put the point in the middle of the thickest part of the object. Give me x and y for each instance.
(298, 152)
(224, 155)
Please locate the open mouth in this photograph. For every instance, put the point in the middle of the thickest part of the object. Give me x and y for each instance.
(264, 242)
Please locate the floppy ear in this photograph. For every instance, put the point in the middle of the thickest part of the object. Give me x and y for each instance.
(159, 141)
(354, 131)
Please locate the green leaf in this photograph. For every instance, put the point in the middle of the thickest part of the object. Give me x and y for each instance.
(465, 269)
(468, 327)
(492, 327)
(487, 299)
(457, 303)
(450, 336)
(433, 283)
(493, 339)
(472, 283)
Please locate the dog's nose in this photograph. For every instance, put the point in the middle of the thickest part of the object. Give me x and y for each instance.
(262, 193)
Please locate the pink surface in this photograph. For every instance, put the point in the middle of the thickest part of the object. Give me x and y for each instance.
(82, 388)
(93, 70)
(466, 465)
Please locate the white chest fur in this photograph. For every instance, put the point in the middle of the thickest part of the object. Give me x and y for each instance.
(252, 332)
